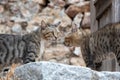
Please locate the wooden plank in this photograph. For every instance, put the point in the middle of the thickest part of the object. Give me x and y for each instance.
(115, 11)
(106, 18)
(101, 6)
(116, 18)
(93, 21)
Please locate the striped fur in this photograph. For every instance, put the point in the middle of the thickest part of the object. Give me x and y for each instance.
(24, 48)
(97, 46)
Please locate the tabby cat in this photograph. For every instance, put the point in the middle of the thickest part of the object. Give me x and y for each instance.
(24, 48)
(97, 46)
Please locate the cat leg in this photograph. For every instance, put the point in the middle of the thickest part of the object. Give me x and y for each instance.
(91, 63)
(30, 57)
(98, 66)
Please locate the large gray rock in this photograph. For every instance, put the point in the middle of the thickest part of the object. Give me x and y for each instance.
(55, 71)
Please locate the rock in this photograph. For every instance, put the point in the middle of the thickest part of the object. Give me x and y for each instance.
(1, 8)
(77, 20)
(34, 73)
(86, 20)
(29, 8)
(55, 71)
(78, 61)
(23, 10)
(65, 21)
(53, 60)
(3, 1)
(16, 28)
(73, 10)
(64, 61)
(44, 15)
(5, 29)
(77, 51)
(56, 3)
(4, 18)
(76, 57)
(24, 25)
(10, 23)
(14, 9)
(31, 27)
(54, 16)
(59, 52)
(41, 2)
(73, 1)
(65, 55)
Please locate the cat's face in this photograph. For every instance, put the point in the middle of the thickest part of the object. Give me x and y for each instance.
(73, 39)
(76, 36)
(55, 32)
(48, 32)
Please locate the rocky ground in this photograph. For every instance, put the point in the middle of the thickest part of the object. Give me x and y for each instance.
(56, 71)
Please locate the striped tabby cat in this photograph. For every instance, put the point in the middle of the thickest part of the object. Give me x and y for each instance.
(26, 47)
(97, 46)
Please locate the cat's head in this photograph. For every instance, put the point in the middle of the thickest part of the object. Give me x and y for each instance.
(74, 38)
(48, 32)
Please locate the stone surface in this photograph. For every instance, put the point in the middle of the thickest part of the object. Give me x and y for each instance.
(3, 1)
(76, 57)
(62, 54)
(74, 9)
(23, 10)
(73, 1)
(29, 9)
(16, 28)
(55, 15)
(5, 29)
(86, 20)
(41, 2)
(58, 52)
(55, 71)
(77, 51)
(56, 3)
(77, 19)
(78, 61)
(1, 8)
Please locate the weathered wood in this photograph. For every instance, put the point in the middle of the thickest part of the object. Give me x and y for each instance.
(101, 6)
(94, 23)
(106, 18)
(115, 11)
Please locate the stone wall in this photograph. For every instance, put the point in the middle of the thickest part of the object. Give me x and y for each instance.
(19, 17)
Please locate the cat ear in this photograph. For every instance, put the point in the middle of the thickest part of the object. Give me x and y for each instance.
(43, 24)
(74, 28)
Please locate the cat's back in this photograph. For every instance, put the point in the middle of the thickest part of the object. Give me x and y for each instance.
(10, 36)
(10, 39)
(107, 29)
